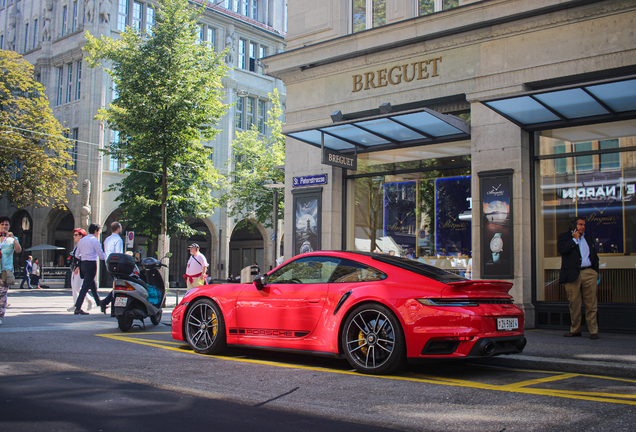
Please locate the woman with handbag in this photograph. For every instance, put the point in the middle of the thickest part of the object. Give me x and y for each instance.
(8, 245)
(35, 274)
(76, 279)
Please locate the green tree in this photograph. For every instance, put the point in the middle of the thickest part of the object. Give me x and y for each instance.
(35, 167)
(169, 95)
(254, 165)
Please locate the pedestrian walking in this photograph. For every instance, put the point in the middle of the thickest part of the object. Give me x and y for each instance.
(76, 279)
(28, 266)
(35, 273)
(90, 252)
(112, 244)
(579, 273)
(8, 246)
(196, 268)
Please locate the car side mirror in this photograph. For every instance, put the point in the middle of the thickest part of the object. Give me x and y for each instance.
(259, 282)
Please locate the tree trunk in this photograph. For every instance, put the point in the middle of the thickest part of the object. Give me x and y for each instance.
(163, 243)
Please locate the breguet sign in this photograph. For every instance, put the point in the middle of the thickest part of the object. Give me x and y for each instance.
(334, 158)
(398, 74)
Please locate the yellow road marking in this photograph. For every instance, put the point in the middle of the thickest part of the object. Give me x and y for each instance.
(520, 387)
(540, 381)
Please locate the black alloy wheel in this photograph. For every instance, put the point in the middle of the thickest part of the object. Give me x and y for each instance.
(373, 340)
(204, 327)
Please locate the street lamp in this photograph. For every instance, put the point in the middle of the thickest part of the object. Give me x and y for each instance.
(274, 187)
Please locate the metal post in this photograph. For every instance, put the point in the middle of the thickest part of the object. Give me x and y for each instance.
(219, 260)
(275, 225)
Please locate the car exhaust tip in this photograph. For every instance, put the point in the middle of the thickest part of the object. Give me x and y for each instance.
(489, 348)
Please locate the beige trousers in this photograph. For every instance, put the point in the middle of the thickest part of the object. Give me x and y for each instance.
(583, 289)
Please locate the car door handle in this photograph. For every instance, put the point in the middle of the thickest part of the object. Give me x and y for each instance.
(313, 300)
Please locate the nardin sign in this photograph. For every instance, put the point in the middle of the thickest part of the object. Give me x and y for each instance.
(331, 157)
(395, 75)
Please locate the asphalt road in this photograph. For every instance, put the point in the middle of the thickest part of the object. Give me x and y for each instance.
(80, 373)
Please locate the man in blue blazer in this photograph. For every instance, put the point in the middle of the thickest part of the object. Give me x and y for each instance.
(28, 267)
(579, 273)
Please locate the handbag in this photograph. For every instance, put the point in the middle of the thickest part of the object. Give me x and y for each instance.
(8, 277)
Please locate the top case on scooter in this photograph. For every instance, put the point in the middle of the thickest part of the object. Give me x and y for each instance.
(120, 265)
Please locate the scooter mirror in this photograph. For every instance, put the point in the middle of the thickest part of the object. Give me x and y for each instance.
(259, 282)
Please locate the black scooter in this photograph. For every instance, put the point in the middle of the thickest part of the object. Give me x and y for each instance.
(136, 296)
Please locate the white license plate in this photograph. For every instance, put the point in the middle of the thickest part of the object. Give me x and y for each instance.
(121, 301)
(507, 323)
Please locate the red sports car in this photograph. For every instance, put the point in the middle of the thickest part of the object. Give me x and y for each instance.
(375, 310)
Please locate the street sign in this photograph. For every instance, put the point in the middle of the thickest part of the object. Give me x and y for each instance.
(313, 180)
(130, 239)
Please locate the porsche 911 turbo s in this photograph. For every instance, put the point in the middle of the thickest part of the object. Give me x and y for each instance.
(374, 310)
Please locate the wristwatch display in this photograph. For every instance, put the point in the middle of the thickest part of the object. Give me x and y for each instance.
(496, 246)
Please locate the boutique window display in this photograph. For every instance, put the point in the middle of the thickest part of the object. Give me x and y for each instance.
(588, 172)
(414, 203)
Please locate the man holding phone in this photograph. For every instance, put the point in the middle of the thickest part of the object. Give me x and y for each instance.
(579, 273)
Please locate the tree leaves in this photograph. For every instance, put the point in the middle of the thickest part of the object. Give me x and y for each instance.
(34, 160)
(169, 95)
(255, 159)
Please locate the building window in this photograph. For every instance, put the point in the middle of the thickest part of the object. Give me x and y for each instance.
(244, 7)
(35, 33)
(74, 22)
(255, 10)
(26, 37)
(261, 117)
(368, 14)
(136, 16)
(584, 163)
(211, 37)
(74, 136)
(113, 162)
(241, 53)
(78, 81)
(64, 19)
(262, 55)
(432, 6)
(122, 15)
(150, 19)
(609, 161)
(60, 85)
(250, 113)
(236, 6)
(1, 41)
(240, 108)
(200, 33)
(69, 82)
(253, 48)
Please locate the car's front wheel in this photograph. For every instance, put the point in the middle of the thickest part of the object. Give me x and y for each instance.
(373, 340)
(204, 327)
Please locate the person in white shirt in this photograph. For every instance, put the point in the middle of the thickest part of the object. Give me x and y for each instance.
(196, 269)
(90, 252)
(112, 244)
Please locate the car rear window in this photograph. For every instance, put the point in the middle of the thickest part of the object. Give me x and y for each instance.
(429, 271)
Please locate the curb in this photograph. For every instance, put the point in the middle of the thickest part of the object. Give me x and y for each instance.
(560, 365)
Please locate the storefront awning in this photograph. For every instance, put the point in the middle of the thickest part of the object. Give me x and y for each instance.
(388, 131)
(599, 101)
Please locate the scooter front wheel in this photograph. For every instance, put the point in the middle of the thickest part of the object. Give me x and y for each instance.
(156, 319)
(205, 327)
(125, 321)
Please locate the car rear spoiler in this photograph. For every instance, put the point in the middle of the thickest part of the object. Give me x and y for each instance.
(477, 289)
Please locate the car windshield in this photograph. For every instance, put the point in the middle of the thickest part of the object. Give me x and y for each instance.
(420, 268)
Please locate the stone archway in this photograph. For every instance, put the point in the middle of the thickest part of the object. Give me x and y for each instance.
(61, 223)
(247, 246)
(207, 241)
(22, 228)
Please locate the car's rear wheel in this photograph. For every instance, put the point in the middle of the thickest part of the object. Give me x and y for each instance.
(204, 327)
(373, 340)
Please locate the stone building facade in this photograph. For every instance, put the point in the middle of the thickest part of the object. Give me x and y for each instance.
(50, 35)
(479, 130)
